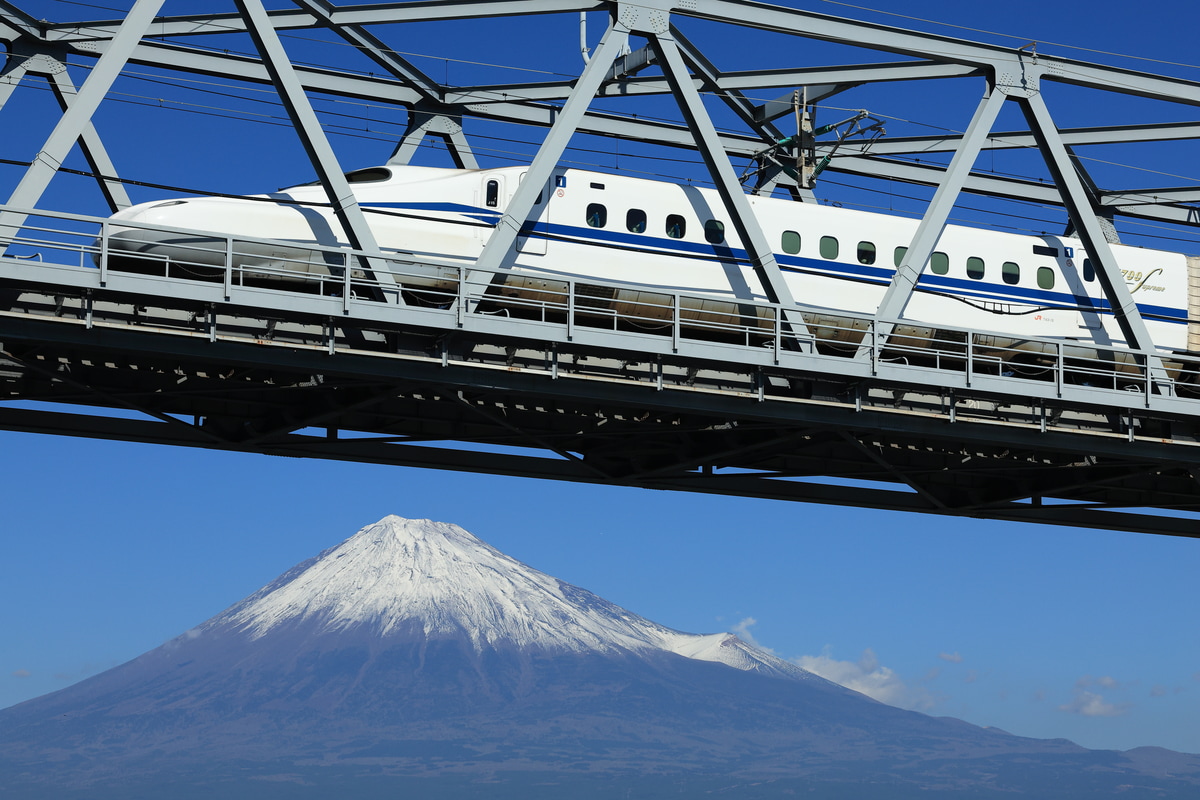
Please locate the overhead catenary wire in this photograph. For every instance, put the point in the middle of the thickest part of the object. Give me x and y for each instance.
(1014, 37)
(230, 91)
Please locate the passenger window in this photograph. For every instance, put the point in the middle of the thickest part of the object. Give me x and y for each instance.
(597, 215)
(898, 256)
(714, 231)
(1010, 272)
(791, 242)
(493, 194)
(829, 247)
(975, 268)
(866, 253)
(1089, 270)
(635, 220)
(676, 226)
(1045, 278)
(939, 264)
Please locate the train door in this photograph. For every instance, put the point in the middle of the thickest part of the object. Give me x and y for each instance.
(488, 198)
(494, 197)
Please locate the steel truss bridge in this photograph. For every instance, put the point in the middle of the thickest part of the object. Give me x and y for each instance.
(359, 368)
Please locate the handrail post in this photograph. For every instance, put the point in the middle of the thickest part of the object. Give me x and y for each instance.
(970, 356)
(228, 267)
(676, 322)
(1148, 385)
(570, 310)
(777, 325)
(104, 227)
(876, 350)
(1059, 369)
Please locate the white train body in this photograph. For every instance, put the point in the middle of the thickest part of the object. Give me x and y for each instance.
(670, 238)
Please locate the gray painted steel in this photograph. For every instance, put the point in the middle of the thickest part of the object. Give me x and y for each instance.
(787, 415)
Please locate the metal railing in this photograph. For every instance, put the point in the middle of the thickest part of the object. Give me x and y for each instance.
(452, 293)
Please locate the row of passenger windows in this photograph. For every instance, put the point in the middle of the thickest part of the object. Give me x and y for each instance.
(939, 263)
(635, 222)
(830, 248)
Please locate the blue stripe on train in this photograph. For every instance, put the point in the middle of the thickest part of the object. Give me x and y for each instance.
(647, 243)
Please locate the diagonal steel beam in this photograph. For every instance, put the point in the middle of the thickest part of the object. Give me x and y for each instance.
(737, 205)
(108, 398)
(731, 97)
(1091, 232)
(375, 49)
(76, 119)
(13, 73)
(18, 22)
(920, 249)
(423, 123)
(499, 250)
(91, 145)
(324, 161)
(526, 437)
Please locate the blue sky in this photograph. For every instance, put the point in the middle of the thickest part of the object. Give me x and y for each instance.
(111, 548)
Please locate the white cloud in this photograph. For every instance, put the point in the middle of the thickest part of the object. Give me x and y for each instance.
(953, 658)
(742, 630)
(1090, 704)
(21, 673)
(1158, 690)
(1104, 682)
(868, 676)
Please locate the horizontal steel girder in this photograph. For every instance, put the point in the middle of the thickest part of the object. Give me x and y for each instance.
(1142, 204)
(250, 398)
(736, 12)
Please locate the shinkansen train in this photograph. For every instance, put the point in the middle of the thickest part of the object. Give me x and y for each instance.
(658, 238)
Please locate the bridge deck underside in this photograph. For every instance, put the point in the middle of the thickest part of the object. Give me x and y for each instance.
(311, 387)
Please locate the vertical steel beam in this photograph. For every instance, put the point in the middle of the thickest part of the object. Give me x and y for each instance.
(291, 92)
(93, 148)
(76, 118)
(920, 249)
(741, 214)
(1091, 233)
(499, 251)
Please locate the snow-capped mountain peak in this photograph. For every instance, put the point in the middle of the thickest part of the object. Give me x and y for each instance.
(402, 575)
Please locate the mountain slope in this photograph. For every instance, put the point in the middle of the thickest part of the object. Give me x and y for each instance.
(413, 652)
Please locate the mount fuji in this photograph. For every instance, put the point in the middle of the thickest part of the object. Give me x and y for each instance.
(414, 658)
